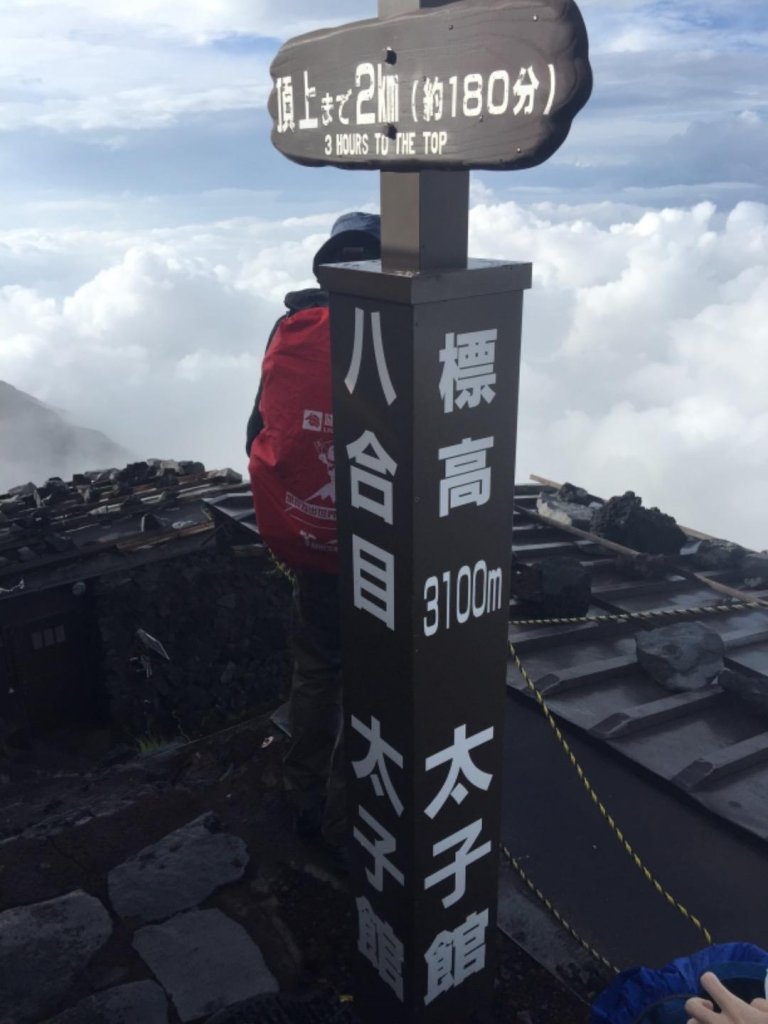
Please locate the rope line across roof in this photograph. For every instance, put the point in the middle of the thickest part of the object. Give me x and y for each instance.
(649, 614)
(610, 820)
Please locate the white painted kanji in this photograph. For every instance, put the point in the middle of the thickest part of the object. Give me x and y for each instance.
(310, 92)
(379, 848)
(342, 100)
(369, 472)
(374, 765)
(525, 90)
(378, 350)
(380, 946)
(454, 956)
(373, 580)
(468, 369)
(434, 98)
(467, 478)
(465, 856)
(286, 115)
(388, 96)
(327, 108)
(460, 762)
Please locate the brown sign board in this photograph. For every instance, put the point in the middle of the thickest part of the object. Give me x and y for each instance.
(486, 84)
(425, 383)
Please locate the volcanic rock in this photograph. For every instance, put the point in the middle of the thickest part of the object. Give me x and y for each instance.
(205, 961)
(43, 947)
(570, 513)
(684, 656)
(752, 690)
(623, 520)
(139, 1002)
(717, 554)
(177, 873)
(754, 569)
(551, 589)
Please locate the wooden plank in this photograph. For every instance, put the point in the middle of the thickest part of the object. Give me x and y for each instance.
(712, 769)
(149, 540)
(609, 545)
(696, 534)
(489, 84)
(656, 712)
(589, 672)
(721, 588)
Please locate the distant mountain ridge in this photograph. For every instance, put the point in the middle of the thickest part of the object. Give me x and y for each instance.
(37, 442)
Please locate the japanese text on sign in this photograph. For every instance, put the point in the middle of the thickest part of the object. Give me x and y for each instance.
(493, 84)
(455, 955)
(362, 120)
(378, 98)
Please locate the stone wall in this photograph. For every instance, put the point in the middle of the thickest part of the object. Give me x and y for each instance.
(223, 622)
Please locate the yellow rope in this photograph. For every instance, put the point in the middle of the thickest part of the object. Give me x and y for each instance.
(647, 874)
(653, 614)
(281, 566)
(556, 913)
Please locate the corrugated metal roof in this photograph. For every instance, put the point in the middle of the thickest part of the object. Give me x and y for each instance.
(709, 744)
(61, 532)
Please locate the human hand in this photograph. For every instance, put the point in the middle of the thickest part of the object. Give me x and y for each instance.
(734, 1010)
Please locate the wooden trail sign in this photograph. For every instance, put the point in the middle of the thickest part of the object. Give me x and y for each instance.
(491, 84)
(425, 374)
(426, 357)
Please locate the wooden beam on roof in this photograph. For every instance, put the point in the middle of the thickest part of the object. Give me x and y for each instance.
(713, 768)
(655, 712)
(721, 588)
(697, 534)
(150, 540)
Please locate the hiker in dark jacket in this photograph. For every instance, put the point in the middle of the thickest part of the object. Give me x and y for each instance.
(286, 446)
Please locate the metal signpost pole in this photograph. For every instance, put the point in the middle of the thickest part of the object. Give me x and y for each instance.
(426, 355)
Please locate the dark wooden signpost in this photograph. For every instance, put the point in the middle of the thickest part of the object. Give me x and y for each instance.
(426, 356)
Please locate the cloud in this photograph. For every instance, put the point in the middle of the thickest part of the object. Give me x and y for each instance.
(153, 112)
(161, 348)
(156, 230)
(643, 362)
(93, 65)
(642, 356)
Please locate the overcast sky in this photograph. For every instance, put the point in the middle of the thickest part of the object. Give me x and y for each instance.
(148, 232)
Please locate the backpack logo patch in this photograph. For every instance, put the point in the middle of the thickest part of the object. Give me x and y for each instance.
(313, 420)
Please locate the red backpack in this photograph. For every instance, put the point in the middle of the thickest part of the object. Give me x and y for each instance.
(291, 463)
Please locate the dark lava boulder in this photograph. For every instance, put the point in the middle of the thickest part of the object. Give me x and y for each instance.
(717, 554)
(751, 689)
(685, 656)
(754, 569)
(644, 567)
(570, 513)
(552, 589)
(573, 495)
(623, 520)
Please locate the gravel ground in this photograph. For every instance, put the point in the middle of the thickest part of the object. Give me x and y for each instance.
(67, 819)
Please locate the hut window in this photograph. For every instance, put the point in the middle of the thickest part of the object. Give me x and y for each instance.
(48, 637)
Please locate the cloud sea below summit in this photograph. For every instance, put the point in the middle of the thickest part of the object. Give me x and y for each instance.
(148, 232)
(643, 342)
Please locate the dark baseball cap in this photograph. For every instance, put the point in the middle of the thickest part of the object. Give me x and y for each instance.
(354, 236)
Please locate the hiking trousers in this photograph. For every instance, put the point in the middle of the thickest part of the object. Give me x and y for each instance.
(313, 767)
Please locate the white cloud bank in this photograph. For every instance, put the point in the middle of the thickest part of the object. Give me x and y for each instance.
(644, 356)
(644, 342)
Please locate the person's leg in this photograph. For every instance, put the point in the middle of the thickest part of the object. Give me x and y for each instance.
(335, 827)
(315, 701)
